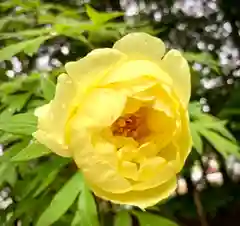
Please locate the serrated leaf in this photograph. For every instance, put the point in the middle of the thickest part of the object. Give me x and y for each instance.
(29, 47)
(32, 151)
(24, 124)
(62, 201)
(48, 88)
(87, 208)
(6, 138)
(17, 102)
(101, 17)
(122, 218)
(196, 137)
(25, 33)
(220, 143)
(148, 219)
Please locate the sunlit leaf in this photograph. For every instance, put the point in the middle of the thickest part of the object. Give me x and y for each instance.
(48, 88)
(26, 33)
(29, 47)
(87, 208)
(24, 124)
(220, 143)
(196, 137)
(62, 201)
(32, 151)
(101, 17)
(17, 102)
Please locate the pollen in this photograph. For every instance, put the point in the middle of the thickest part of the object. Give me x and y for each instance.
(131, 125)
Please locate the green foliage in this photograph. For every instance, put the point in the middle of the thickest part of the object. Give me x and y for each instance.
(32, 151)
(61, 201)
(87, 209)
(213, 130)
(101, 18)
(122, 218)
(29, 47)
(148, 219)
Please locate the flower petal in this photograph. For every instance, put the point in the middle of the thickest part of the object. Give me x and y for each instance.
(183, 139)
(142, 199)
(138, 69)
(177, 68)
(95, 166)
(53, 117)
(153, 172)
(100, 108)
(172, 155)
(88, 71)
(141, 46)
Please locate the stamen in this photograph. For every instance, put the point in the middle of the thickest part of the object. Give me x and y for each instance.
(131, 125)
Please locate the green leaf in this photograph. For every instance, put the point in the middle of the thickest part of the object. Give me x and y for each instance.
(220, 143)
(32, 151)
(148, 219)
(24, 124)
(203, 58)
(13, 150)
(45, 174)
(3, 21)
(48, 88)
(6, 138)
(7, 173)
(76, 219)
(26, 33)
(29, 47)
(101, 17)
(17, 102)
(34, 44)
(87, 208)
(196, 137)
(122, 218)
(51, 171)
(62, 201)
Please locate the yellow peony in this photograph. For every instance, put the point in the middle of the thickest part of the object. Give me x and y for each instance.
(121, 114)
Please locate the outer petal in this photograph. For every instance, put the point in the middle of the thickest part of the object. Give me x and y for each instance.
(177, 68)
(53, 117)
(142, 199)
(183, 139)
(141, 46)
(88, 71)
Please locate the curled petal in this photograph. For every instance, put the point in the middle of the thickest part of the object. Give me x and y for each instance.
(141, 46)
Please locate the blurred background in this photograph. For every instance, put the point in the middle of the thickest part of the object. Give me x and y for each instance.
(38, 37)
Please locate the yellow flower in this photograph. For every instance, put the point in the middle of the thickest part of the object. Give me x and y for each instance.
(121, 114)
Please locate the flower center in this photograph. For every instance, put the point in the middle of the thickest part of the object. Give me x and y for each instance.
(131, 125)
